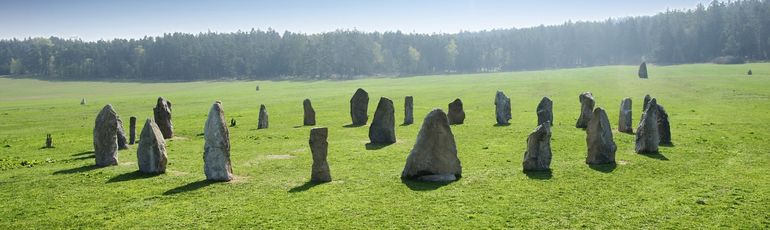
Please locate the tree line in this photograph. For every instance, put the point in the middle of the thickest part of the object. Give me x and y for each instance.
(722, 32)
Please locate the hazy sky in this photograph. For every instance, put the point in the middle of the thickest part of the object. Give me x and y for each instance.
(105, 19)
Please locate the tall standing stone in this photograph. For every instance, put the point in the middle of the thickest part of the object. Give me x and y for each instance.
(601, 146)
(647, 137)
(318, 147)
(545, 111)
(502, 108)
(122, 141)
(456, 113)
(586, 109)
(106, 137)
(408, 110)
(151, 153)
(216, 150)
(359, 105)
(643, 70)
(132, 130)
(647, 99)
(664, 129)
(262, 124)
(434, 155)
(162, 112)
(309, 115)
(538, 154)
(382, 130)
(624, 119)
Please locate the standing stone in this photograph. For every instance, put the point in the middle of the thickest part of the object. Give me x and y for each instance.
(319, 147)
(545, 111)
(434, 155)
(408, 110)
(647, 136)
(162, 113)
(48, 141)
(538, 154)
(382, 130)
(233, 122)
(359, 105)
(122, 141)
(456, 113)
(586, 109)
(151, 153)
(502, 108)
(262, 117)
(309, 113)
(83, 100)
(601, 146)
(216, 151)
(624, 120)
(257, 87)
(664, 129)
(647, 99)
(643, 70)
(749, 73)
(132, 130)
(106, 137)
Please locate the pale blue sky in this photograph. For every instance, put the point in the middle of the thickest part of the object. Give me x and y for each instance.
(103, 19)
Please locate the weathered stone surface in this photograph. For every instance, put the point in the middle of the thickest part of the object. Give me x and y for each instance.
(647, 99)
(382, 130)
(216, 150)
(601, 146)
(545, 111)
(151, 152)
(502, 108)
(309, 115)
(162, 112)
(456, 113)
(122, 141)
(624, 119)
(132, 130)
(319, 147)
(408, 110)
(359, 105)
(106, 137)
(664, 129)
(48, 141)
(83, 100)
(434, 155)
(538, 154)
(647, 136)
(643, 70)
(262, 124)
(586, 109)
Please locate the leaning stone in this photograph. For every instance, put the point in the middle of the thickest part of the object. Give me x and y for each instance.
(545, 111)
(132, 130)
(502, 108)
(408, 110)
(319, 147)
(601, 146)
(538, 154)
(643, 70)
(106, 137)
(359, 105)
(434, 155)
(647, 136)
(216, 150)
(151, 153)
(122, 142)
(309, 118)
(456, 113)
(162, 112)
(262, 117)
(586, 109)
(624, 119)
(382, 130)
(664, 129)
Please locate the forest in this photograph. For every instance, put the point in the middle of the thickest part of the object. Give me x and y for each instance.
(721, 32)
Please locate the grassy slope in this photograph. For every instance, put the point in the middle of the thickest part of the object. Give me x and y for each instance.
(719, 125)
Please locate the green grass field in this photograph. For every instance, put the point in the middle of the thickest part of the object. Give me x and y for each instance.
(719, 118)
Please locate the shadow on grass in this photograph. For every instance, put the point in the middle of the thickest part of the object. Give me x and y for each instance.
(190, 187)
(655, 156)
(45, 147)
(666, 144)
(416, 185)
(77, 170)
(83, 158)
(539, 175)
(373, 146)
(501, 125)
(306, 186)
(402, 125)
(83, 153)
(605, 168)
(629, 133)
(352, 126)
(131, 176)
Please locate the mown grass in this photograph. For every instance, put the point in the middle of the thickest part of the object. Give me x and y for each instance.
(715, 176)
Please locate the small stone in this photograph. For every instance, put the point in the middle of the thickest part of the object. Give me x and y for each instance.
(262, 117)
(162, 112)
(749, 73)
(502, 108)
(538, 154)
(434, 155)
(456, 113)
(701, 201)
(309, 118)
(643, 70)
(48, 141)
(106, 137)
(647, 136)
(601, 146)
(586, 109)
(359, 105)
(624, 119)
(408, 110)
(382, 130)
(132, 130)
(233, 122)
(319, 147)
(122, 141)
(83, 100)
(216, 150)
(545, 111)
(257, 87)
(151, 152)
(664, 128)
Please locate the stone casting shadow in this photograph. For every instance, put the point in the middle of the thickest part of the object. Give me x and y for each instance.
(539, 175)
(372, 146)
(416, 185)
(190, 187)
(77, 170)
(306, 186)
(605, 168)
(351, 126)
(131, 176)
(501, 125)
(656, 156)
(83, 153)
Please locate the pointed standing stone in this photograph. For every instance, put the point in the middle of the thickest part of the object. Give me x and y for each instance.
(502, 108)
(647, 99)
(647, 137)
(382, 130)
(434, 155)
(162, 112)
(456, 113)
(83, 100)
(664, 129)
(309, 118)
(538, 154)
(545, 111)
(216, 151)
(151, 153)
(262, 117)
(408, 110)
(586, 109)
(624, 120)
(601, 146)
(132, 130)
(359, 105)
(122, 142)
(106, 137)
(643, 70)
(319, 148)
